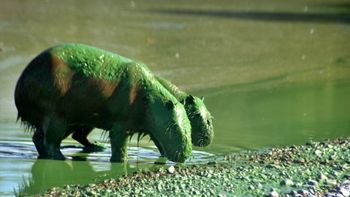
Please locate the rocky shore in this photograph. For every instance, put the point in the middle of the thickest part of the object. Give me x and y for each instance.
(313, 169)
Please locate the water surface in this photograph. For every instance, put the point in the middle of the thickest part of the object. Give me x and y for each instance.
(273, 73)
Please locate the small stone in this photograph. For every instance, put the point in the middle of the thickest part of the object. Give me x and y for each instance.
(331, 194)
(273, 194)
(344, 191)
(301, 161)
(332, 182)
(171, 170)
(312, 183)
(303, 192)
(323, 177)
(294, 193)
(287, 182)
(299, 184)
(222, 195)
(318, 153)
(195, 192)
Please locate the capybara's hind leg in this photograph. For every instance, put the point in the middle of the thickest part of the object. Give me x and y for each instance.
(54, 132)
(38, 139)
(80, 134)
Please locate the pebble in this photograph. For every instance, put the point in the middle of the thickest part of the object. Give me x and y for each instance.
(345, 192)
(323, 177)
(171, 170)
(344, 188)
(273, 194)
(312, 183)
(318, 153)
(332, 182)
(303, 192)
(287, 182)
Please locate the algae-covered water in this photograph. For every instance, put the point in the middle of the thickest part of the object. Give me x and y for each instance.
(272, 72)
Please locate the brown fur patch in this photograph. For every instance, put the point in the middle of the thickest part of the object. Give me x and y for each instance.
(107, 87)
(133, 94)
(62, 74)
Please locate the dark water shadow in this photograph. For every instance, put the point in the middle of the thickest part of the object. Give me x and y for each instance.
(51, 173)
(263, 15)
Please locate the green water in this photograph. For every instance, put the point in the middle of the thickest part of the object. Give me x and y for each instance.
(273, 73)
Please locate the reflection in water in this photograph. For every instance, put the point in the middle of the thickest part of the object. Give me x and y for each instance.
(79, 168)
(51, 173)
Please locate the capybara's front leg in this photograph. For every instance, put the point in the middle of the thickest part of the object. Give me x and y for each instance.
(54, 132)
(38, 139)
(158, 145)
(119, 144)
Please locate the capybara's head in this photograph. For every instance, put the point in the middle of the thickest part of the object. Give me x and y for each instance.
(169, 125)
(201, 121)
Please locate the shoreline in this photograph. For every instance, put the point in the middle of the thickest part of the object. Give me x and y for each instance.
(313, 169)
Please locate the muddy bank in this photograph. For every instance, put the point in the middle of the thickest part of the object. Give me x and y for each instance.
(313, 169)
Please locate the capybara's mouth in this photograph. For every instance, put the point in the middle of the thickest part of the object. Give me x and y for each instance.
(179, 155)
(201, 141)
(203, 136)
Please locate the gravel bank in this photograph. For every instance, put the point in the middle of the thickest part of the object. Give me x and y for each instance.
(314, 169)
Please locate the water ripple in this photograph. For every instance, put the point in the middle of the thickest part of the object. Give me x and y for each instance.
(147, 155)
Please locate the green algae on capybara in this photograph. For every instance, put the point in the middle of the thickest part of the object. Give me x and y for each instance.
(201, 120)
(75, 85)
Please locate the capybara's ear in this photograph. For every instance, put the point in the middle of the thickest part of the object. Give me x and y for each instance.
(189, 99)
(169, 105)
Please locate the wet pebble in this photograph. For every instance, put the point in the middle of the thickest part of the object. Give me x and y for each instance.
(273, 194)
(313, 183)
(344, 188)
(323, 177)
(303, 192)
(287, 182)
(331, 182)
(171, 170)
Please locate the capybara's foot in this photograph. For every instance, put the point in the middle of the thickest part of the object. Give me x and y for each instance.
(52, 153)
(93, 148)
(118, 159)
(55, 157)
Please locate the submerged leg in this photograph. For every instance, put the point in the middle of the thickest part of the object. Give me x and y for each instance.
(119, 144)
(38, 139)
(80, 134)
(54, 132)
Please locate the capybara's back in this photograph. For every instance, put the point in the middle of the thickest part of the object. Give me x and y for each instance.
(35, 91)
